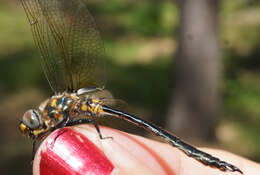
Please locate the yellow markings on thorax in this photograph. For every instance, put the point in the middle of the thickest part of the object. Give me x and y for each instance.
(53, 102)
(98, 107)
(84, 107)
(94, 107)
(95, 100)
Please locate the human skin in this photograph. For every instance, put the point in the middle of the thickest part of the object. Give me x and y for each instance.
(130, 154)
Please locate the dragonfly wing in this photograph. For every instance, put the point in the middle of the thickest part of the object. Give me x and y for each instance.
(69, 43)
(115, 103)
(46, 44)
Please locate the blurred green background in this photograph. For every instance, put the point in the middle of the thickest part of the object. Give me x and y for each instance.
(140, 40)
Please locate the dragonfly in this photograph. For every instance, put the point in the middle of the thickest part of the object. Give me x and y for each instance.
(71, 51)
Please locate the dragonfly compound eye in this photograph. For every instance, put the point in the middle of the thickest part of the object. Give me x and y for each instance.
(30, 120)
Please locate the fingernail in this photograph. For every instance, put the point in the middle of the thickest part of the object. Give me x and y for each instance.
(71, 153)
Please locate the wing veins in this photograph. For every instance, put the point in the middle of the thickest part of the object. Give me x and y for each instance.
(68, 41)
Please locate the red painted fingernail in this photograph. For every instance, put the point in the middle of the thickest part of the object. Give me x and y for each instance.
(72, 153)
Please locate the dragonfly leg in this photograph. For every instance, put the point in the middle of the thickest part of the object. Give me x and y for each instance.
(34, 148)
(98, 130)
(35, 142)
(61, 126)
(88, 120)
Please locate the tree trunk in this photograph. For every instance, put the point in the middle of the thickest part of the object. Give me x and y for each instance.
(194, 105)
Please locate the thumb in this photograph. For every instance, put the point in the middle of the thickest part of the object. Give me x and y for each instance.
(79, 150)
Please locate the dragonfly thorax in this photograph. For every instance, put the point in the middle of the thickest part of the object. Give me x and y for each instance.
(60, 106)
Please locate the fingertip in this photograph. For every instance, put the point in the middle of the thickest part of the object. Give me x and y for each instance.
(124, 154)
(79, 150)
(71, 153)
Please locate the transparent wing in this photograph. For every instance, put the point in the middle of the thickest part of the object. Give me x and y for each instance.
(106, 98)
(69, 43)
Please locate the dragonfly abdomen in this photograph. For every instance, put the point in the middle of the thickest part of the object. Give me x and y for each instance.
(189, 150)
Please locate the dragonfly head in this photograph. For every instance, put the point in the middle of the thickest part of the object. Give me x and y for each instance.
(31, 121)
